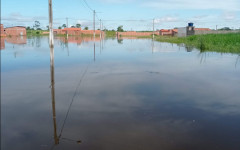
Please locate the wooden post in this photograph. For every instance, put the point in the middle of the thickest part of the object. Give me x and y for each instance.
(51, 42)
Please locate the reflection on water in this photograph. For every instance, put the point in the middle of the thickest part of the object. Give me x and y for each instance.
(139, 94)
(13, 40)
(2, 44)
(56, 138)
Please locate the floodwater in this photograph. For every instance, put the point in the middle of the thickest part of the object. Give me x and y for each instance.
(117, 94)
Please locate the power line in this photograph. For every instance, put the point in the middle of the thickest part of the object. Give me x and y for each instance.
(87, 5)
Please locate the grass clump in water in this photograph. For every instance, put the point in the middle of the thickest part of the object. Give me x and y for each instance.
(225, 43)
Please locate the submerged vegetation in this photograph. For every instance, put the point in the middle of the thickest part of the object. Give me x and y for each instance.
(224, 43)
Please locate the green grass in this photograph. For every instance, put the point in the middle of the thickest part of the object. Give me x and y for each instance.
(224, 43)
(35, 32)
(110, 33)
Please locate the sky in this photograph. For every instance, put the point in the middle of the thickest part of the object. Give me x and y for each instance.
(131, 14)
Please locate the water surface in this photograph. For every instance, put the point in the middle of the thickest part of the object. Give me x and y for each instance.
(117, 94)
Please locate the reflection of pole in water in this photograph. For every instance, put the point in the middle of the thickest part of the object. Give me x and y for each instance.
(94, 49)
(56, 140)
(152, 45)
(237, 61)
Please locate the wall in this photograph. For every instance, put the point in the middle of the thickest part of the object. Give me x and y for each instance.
(214, 32)
(15, 31)
(2, 30)
(182, 32)
(134, 33)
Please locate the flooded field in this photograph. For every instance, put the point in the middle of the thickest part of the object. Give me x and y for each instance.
(117, 94)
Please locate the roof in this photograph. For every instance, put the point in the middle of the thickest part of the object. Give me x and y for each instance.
(164, 30)
(72, 29)
(175, 30)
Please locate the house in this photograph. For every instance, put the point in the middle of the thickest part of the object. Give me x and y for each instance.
(186, 31)
(165, 32)
(15, 31)
(2, 30)
(170, 32)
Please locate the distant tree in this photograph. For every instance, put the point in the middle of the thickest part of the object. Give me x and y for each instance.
(72, 26)
(78, 25)
(36, 24)
(120, 29)
(64, 26)
(113, 30)
(225, 28)
(28, 28)
(59, 27)
(98, 29)
(86, 28)
(39, 29)
(47, 27)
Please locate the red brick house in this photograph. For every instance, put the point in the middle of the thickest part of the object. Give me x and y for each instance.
(165, 32)
(15, 31)
(2, 30)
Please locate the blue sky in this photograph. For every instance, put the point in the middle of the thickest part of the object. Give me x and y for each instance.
(132, 14)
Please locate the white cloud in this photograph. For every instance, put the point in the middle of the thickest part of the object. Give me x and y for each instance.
(229, 16)
(166, 19)
(17, 17)
(190, 4)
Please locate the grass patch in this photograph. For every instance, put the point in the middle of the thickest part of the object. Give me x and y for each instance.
(110, 33)
(36, 32)
(224, 43)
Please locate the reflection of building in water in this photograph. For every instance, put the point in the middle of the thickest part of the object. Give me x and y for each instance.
(189, 48)
(17, 39)
(127, 37)
(15, 31)
(77, 39)
(76, 31)
(2, 44)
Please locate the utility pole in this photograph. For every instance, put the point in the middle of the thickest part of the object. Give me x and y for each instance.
(153, 27)
(94, 13)
(67, 22)
(51, 42)
(100, 29)
(67, 26)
